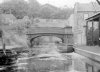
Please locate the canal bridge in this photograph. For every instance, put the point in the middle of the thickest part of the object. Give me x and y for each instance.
(65, 34)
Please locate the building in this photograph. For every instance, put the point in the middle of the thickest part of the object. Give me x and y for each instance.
(78, 22)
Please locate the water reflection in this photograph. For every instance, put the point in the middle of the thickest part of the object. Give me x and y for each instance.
(45, 58)
(72, 63)
(47, 63)
(8, 60)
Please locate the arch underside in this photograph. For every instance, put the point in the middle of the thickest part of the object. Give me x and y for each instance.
(63, 37)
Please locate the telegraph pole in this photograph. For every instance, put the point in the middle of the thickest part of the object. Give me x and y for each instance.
(98, 2)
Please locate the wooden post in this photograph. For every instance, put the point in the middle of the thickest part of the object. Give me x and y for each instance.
(2, 40)
(92, 33)
(86, 33)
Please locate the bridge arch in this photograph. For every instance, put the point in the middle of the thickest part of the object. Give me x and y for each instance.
(60, 37)
(32, 39)
(65, 34)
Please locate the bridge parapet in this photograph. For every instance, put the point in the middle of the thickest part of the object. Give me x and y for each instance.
(56, 30)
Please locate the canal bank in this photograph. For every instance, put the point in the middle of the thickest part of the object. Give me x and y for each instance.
(92, 54)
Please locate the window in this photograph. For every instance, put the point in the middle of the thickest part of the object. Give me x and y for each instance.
(85, 16)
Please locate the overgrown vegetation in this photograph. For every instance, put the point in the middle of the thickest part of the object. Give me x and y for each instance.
(20, 8)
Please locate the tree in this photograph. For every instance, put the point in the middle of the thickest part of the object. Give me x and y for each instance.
(34, 8)
(20, 8)
(16, 7)
(47, 11)
(63, 13)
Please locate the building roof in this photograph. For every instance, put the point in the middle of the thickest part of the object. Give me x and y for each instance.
(94, 17)
(92, 6)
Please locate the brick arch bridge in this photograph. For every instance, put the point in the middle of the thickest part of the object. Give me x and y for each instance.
(65, 34)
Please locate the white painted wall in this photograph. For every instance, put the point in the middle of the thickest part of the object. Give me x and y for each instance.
(78, 30)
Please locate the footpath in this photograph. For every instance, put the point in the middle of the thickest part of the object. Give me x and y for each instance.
(93, 49)
(91, 52)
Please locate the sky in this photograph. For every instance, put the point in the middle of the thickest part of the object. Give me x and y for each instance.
(62, 3)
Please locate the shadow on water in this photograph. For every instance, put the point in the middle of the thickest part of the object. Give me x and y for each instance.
(40, 64)
(8, 61)
(48, 61)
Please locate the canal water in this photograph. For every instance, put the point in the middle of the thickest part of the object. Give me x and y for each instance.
(67, 63)
(48, 59)
(72, 63)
